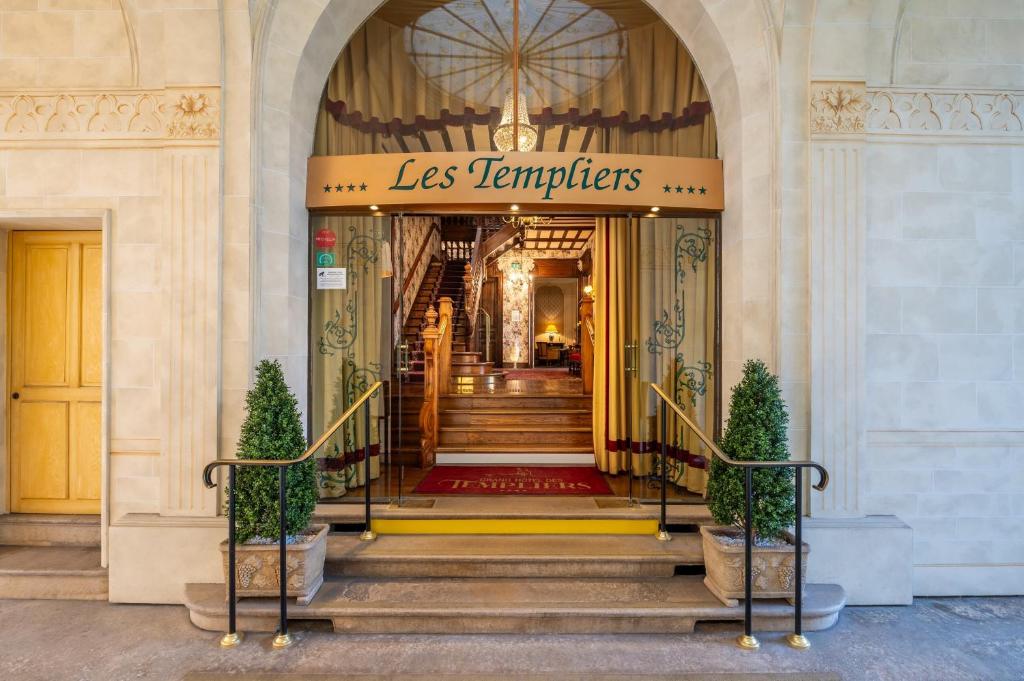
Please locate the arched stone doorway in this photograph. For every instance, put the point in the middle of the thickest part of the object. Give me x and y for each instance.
(296, 46)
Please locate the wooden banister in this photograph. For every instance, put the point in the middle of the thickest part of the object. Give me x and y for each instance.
(419, 256)
(437, 366)
(587, 339)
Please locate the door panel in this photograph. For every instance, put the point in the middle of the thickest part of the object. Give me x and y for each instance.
(92, 311)
(41, 428)
(45, 327)
(85, 439)
(55, 341)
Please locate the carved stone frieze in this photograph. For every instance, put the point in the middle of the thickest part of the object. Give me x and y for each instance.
(838, 107)
(181, 114)
(906, 110)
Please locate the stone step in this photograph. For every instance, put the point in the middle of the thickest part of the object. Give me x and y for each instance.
(52, 572)
(513, 605)
(509, 507)
(41, 529)
(511, 555)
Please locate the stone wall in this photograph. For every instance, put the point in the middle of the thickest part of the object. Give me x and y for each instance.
(140, 112)
(945, 310)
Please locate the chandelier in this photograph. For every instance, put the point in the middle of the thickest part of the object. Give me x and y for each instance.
(514, 132)
(505, 132)
(524, 221)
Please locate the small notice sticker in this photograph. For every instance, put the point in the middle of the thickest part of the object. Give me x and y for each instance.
(331, 278)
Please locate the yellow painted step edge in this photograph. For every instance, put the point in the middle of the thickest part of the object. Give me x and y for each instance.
(515, 526)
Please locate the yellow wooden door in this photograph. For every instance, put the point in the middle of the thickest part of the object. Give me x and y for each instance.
(55, 346)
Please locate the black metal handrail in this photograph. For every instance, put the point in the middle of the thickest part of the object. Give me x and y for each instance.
(747, 640)
(283, 639)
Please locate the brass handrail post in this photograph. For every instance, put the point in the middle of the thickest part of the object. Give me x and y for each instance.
(368, 533)
(283, 638)
(232, 638)
(663, 534)
(747, 640)
(797, 638)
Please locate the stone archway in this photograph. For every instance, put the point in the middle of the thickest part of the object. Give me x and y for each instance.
(298, 42)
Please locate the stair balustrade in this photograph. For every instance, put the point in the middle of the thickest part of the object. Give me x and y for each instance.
(747, 640)
(587, 340)
(283, 639)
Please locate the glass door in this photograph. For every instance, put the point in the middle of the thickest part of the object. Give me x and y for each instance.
(352, 334)
(672, 341)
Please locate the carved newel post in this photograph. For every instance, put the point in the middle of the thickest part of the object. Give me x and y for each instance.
(587, 344)
(428, 412)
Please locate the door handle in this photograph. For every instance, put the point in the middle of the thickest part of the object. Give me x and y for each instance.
(630, 357)
(15, 396)
(403, 361)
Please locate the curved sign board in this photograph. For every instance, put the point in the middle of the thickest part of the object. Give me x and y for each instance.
(535, 181)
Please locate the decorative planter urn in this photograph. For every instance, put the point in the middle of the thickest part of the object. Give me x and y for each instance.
(256, 567)
(772, 566)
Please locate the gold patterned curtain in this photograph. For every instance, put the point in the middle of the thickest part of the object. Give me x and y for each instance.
(349, 351)
(643, 74)
(349, 336)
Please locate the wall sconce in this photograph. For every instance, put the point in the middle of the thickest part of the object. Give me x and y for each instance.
(588, 291)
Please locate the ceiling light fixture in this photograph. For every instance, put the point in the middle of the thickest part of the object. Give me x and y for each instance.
(514, 132)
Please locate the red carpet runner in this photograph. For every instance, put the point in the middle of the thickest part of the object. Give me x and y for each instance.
(519, 480)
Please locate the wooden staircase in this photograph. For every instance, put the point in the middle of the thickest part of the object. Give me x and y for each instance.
(515, 428)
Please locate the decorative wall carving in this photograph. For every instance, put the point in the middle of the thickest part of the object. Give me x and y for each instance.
(183, 114)
(946, 111)
(838, 107)
(516, 340)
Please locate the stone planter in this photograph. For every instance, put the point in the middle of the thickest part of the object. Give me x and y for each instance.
(773, 567)
(256, 567)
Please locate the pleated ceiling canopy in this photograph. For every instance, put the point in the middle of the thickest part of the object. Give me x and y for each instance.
(431, 75)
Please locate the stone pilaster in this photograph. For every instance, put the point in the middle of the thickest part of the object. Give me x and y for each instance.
(192, 245)
(837, 290)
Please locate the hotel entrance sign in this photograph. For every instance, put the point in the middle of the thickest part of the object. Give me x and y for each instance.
(495, 180)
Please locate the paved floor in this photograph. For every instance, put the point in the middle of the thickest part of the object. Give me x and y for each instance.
(934, 640)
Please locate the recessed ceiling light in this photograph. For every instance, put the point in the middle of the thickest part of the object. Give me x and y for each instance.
(374, 207)
(514, 206)
(655, 209)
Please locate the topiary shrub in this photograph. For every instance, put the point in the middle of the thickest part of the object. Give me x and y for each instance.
(272, 430)
(756, 431)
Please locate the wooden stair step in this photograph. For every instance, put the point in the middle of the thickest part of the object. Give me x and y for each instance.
(516, 448)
